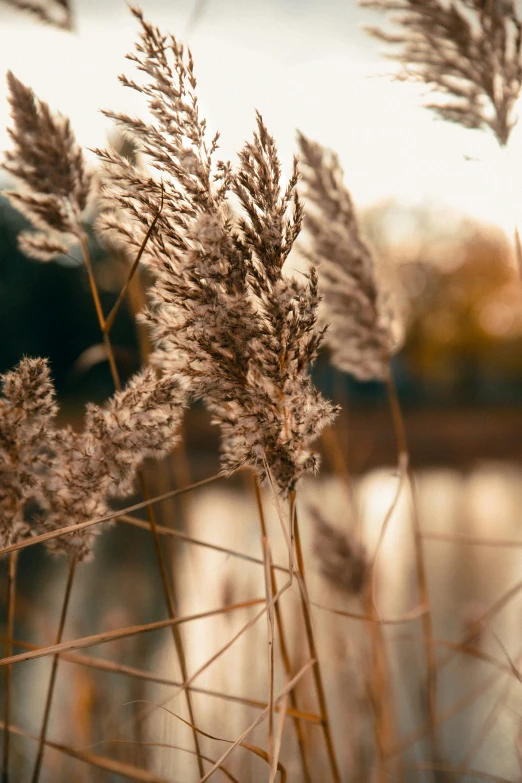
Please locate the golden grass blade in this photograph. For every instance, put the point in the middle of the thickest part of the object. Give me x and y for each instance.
(378, 684)
(170, 599)
(126, 770)
(225, 771)
(11, 601)
(288, 687)
(294, 707)
(167, 587)
(403, 473)
(54, 671)
(407, 617)
(99, 312)
(167, 531)
(316, 671)
(510, 660)
(266, 757)
(294, 545)
(122, 633)
(466, 538)
(231, 641)
(473, 652)
(270, 643)
(279, 739)
(112, 667)
(280, 515)
(336, 454)
(107, 518)
(216, 655)
(486, 728)
(458, 705)
(482, 621)
(109, 321)
(252, 748)
(422, 577)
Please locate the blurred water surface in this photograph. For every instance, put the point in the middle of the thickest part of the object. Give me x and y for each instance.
(465, 581)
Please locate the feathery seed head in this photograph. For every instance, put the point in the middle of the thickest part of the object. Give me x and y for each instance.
(53, 12)
(470, 51)
(139, 422)
(68, 476)
(223, 317)
(49, 163)
(27, 410)
(343, 562)
(360, 333)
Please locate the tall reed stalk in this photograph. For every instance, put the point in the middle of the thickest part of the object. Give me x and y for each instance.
(283, 643)
(422, 578)
(316, 671)
(105, 327)
(54, 669)
(11, 604)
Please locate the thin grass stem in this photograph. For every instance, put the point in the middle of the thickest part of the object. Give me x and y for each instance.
(109, 321)
(125, 770)
(168, 531)
(460, 704)
(422, 579)
(54, 669)
(451, 770)
(336, 454)
(378, 684)
(11, 604)
(102, 664)
(168, 592)
(123, 633)
(472, 540)
(33, 540)
(288, 687)
(481, 623)
(283, 643)
(316, 670)
(167, 589)
(485, 729)
(270, 642)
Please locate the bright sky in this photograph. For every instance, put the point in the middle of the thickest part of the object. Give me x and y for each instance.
(304, 65)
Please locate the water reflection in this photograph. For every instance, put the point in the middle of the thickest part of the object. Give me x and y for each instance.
(465, 581)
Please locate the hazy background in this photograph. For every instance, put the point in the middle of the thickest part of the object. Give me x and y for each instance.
(302, 64)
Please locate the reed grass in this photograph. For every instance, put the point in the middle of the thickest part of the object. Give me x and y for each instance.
(230, 327)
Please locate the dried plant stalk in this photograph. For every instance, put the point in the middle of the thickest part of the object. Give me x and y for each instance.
(310, 637)
(69, 476)
(50, 164)
(283, 643)
(11, 603)
(222, 314)
(54, 671)
(361, 338)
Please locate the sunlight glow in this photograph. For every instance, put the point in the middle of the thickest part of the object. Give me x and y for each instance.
(299, 74)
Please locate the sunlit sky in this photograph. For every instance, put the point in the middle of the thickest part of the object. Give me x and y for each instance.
(304, 64)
